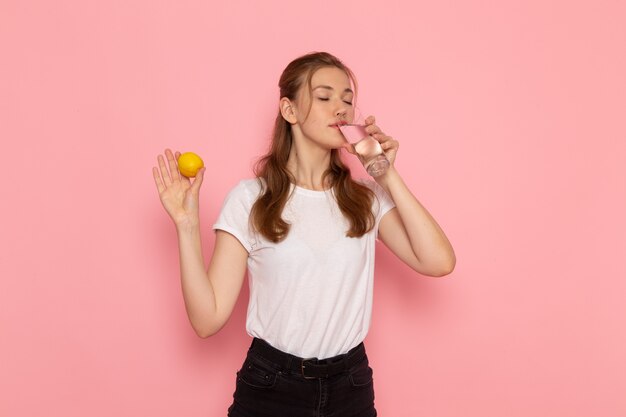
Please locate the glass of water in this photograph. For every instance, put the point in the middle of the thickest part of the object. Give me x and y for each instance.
(367, 149)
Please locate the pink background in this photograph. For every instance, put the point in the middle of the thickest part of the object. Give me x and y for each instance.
(511, 118)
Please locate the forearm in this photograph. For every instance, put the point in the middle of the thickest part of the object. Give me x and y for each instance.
(197, 289)
(428, 241)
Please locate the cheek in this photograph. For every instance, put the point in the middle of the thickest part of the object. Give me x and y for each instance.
(313, 118)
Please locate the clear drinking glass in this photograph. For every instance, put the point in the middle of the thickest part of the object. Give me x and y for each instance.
(367, 148)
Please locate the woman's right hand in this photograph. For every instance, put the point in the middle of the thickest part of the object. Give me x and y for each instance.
(178, 195)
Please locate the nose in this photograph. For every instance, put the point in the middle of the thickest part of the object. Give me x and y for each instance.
(341, 112)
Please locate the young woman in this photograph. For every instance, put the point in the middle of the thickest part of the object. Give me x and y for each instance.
(305, 231)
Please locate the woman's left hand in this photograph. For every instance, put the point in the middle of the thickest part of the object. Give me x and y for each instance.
(390, 145)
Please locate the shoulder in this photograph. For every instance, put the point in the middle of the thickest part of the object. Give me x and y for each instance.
(242, 196)
(249, 188)
(382, 201)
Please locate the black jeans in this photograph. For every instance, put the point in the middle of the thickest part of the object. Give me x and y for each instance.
(272, 383)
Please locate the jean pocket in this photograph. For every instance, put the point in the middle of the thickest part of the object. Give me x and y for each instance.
(361, 375)
(257, 375)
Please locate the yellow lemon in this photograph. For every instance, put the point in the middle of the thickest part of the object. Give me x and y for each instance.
(189, 164)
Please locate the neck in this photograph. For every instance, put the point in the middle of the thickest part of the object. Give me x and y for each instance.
(307, 163)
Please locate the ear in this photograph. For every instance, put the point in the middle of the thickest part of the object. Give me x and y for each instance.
(288, 110)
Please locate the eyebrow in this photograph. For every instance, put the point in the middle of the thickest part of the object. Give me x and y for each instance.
(327, 87)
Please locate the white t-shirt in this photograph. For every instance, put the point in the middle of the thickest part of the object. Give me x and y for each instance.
(311, 294)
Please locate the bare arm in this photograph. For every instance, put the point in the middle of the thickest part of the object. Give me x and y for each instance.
(409, 230)
(412, 234)
(209, 295)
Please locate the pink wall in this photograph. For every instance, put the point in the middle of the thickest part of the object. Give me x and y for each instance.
(511, 122)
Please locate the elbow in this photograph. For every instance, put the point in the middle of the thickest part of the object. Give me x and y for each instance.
(440, 269)
(443, 272)
(206, 331)
(203, 334)
(446, 268)
(206, 324)
(435, 264)
(447, 264)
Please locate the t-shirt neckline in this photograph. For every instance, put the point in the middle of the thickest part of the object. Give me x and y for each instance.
(311, 193)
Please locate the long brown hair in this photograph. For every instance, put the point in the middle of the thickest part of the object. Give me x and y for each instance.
(354, 199)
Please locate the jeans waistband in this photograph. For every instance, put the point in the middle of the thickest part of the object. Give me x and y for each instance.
(309, 368)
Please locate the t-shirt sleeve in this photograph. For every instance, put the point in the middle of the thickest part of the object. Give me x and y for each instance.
(234, 217)
(384, 202)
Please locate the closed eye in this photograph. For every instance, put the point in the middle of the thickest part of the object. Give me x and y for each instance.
(326, 99)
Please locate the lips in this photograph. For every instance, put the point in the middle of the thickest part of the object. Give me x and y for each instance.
(336, 125)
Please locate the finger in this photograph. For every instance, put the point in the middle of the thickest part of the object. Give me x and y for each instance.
(349, 147)
(390, 144)
(373, 129)
(172, 164)
(182, 177)
(381, 137)
(195, 187)
(157, 179)
(384, 139)
(167, 180)
(370, 120)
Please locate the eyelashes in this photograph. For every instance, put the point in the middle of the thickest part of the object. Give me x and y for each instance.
(326, 99)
